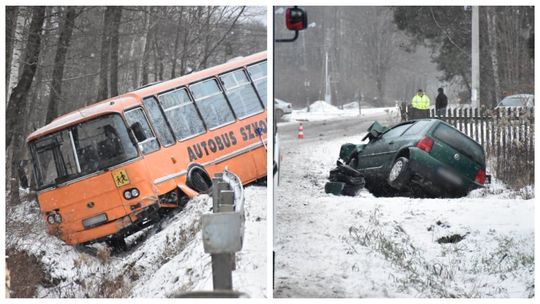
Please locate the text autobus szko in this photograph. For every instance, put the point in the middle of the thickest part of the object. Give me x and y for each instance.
(103, 172)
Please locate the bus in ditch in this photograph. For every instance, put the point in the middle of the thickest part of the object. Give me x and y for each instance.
(104, 171)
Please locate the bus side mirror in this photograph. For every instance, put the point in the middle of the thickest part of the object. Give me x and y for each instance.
(137, 129)
(295, 19)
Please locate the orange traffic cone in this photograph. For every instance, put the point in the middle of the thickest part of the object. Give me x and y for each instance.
(301, 131)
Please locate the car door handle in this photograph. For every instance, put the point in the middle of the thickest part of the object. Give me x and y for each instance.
(391, 143)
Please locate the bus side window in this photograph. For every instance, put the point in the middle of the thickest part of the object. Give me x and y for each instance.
(241, 94)
(211, 103)
(158, 121)
(136, 116)
(258, 75)
(181, 114)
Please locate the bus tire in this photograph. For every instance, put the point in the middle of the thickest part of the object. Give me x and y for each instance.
(198, 179)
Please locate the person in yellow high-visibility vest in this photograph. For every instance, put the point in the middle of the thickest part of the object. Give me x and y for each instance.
(420, 106)
(420, 101)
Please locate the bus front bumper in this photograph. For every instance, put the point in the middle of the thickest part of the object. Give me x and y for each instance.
(121, 227)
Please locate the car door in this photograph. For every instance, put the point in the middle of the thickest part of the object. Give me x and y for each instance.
(380, 150)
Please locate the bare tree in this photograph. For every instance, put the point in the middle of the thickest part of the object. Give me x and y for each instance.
(103, 90)
(18, 98)
(55, 95)
(11, 25)
(115, 44)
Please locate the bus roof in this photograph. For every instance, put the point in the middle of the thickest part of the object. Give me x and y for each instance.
(119, 103)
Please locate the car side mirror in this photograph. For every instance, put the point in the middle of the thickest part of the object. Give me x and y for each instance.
(375, 130)
(138, 130)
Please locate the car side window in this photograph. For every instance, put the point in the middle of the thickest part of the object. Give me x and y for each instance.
(396, 131)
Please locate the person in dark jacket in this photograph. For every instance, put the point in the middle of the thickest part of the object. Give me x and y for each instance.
(441, 102)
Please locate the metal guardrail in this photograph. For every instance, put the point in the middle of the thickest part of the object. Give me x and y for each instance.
(223, 230)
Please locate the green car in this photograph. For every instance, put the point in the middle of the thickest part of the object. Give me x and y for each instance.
(421, 158)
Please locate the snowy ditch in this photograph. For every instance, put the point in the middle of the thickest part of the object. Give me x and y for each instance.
(163, 260)
(481, 245)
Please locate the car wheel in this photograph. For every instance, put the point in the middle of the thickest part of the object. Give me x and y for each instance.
(399, 173)
(279, 114)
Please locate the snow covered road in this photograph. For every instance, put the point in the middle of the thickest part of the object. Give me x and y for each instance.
(330, 246)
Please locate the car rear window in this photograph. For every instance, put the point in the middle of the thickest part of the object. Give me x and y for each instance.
(396, 131)
(460, 142)
(417, 127)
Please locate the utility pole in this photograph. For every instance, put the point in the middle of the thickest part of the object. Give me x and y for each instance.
(475, 54)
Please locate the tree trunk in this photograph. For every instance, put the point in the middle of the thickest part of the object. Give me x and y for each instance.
(55, 95)
(147, 49)
(18, 99)
(179, 28)
(116, 16)
(11, 25)
(103, 90)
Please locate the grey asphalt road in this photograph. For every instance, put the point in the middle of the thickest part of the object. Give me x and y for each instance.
(315, 131)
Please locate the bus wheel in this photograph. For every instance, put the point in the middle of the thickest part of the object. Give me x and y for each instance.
(118, 243)
(198, 180)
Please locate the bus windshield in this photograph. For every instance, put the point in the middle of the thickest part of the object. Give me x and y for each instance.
(83, 149)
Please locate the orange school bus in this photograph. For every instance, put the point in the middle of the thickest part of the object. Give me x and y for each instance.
(104, 171)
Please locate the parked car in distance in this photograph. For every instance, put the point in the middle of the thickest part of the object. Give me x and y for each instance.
(518, 100)
(281, 108)
(420, 158)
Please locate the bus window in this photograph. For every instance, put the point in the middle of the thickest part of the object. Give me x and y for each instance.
(212, 104)
(158, 121)
(181, 114)
(99, 143)
(241, 94)
(147, 140)
(55, 158)
(258, 75)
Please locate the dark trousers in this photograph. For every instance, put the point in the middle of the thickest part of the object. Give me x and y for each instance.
(415, 113)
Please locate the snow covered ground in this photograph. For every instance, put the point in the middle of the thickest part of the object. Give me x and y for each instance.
(320, 110)
(160, 264)
(333, 246)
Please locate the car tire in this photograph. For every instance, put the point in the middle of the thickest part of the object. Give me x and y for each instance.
(399, 173)
(279, 114)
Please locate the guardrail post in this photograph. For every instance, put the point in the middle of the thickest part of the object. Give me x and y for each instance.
(223, 230)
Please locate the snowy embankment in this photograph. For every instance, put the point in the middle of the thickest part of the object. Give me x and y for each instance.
(159, 264)
(481, 245)
(320, 110)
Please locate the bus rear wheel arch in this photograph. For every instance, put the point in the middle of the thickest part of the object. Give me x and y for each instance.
(198, 179)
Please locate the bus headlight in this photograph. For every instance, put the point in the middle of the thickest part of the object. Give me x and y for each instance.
(54, 218)
(127, 194)
(50, 219)
(94, 221)
(131, 193)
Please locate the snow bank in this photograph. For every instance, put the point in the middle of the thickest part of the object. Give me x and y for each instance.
(161, 262)
(363, 246)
